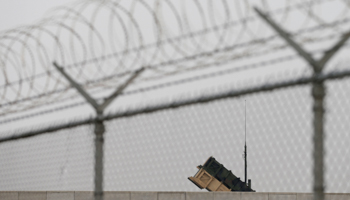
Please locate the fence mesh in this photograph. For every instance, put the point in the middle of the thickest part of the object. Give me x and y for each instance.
(172, 121)
(60, 161)
(158, 151)
(337, 136)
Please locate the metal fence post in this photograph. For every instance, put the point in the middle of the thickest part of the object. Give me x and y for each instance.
(99, 126)
(318, 94)
(99, 142)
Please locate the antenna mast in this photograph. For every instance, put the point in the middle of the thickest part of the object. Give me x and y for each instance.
(245, 143)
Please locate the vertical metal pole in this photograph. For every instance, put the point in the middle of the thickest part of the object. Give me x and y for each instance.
(245, 143)
(99, 140)
(99, 126)
(245, 164)
(318, 93)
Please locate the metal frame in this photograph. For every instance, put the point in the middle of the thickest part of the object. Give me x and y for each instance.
(318, 94)
(99, 126)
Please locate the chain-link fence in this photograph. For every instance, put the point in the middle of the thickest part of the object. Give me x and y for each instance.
(295, 124)
(158, 151)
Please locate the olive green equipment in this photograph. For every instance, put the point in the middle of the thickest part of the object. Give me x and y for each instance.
(213, 176)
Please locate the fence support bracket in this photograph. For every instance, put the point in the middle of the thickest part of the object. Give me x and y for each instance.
(318, 93)
(99, 126)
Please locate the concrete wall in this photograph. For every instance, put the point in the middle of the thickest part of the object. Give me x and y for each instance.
(71, 195)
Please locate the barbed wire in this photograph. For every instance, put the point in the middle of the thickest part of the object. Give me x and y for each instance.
(76, 35)
(16, 135)
(191, 79)
(182, 37)
(264, 40)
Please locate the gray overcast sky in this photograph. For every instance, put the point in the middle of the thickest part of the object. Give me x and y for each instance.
(15, 13)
